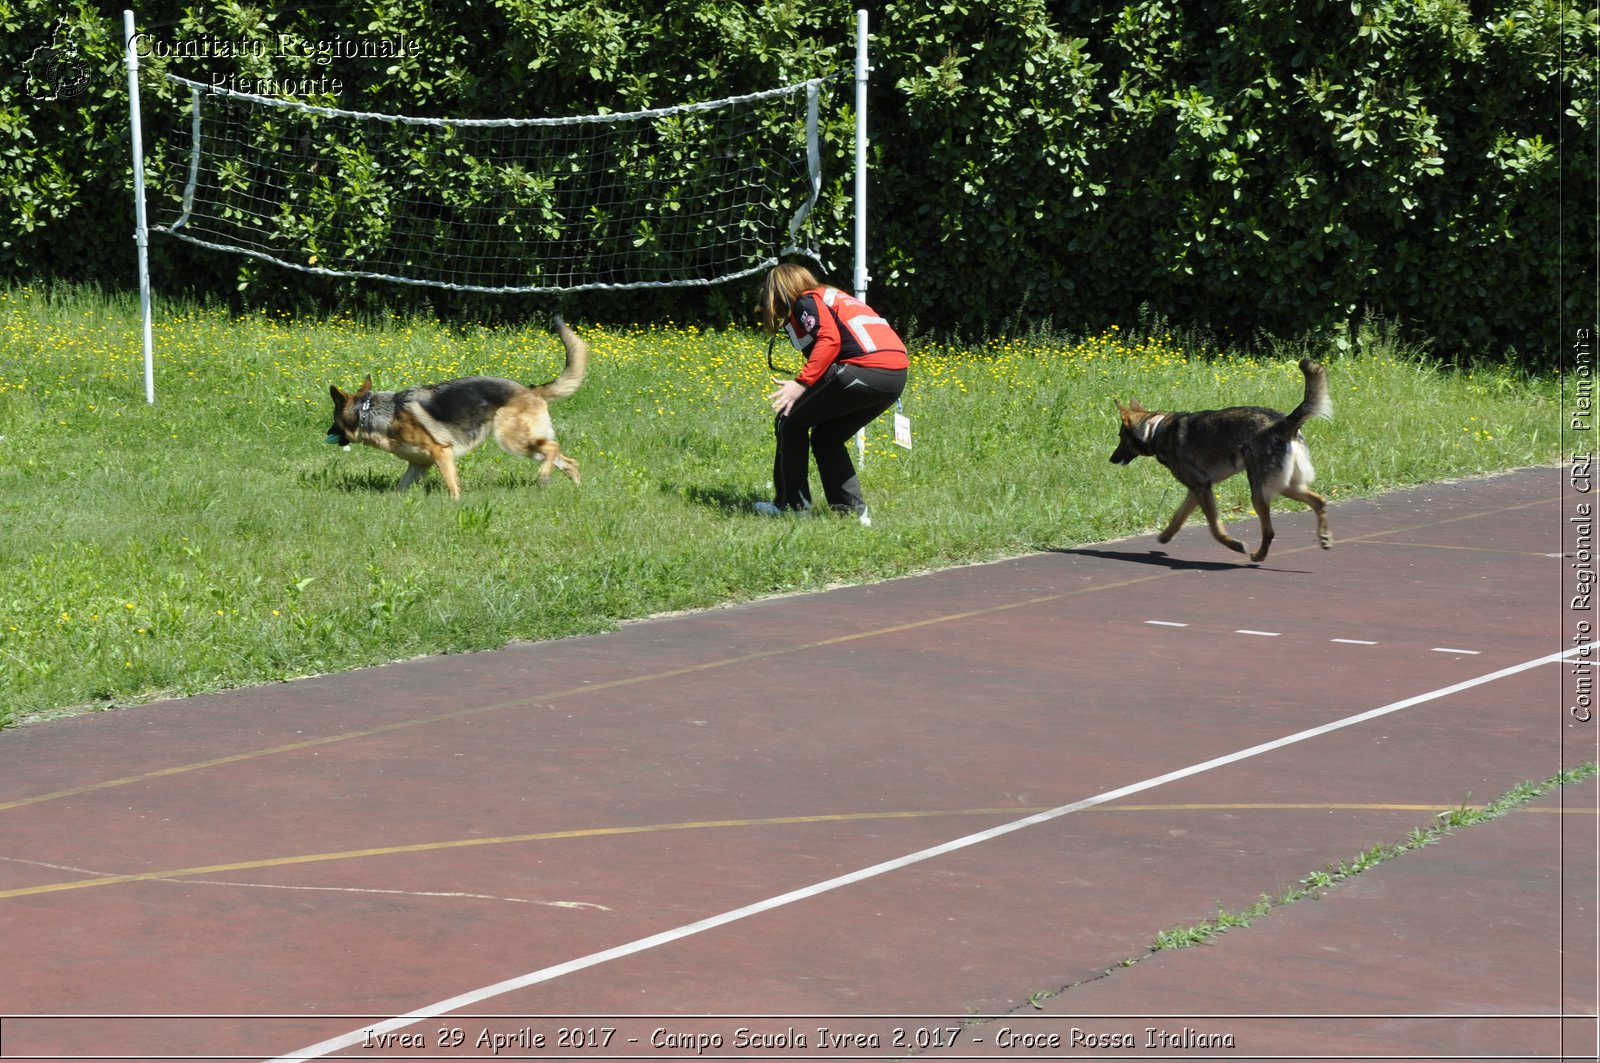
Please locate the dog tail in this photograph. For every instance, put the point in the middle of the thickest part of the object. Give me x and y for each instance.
(577, 364)
(1316, 403)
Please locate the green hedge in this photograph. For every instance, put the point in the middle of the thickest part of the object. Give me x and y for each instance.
(1248, 166)
(1259, 166)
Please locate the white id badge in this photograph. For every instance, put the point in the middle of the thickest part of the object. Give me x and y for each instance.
(902, 430)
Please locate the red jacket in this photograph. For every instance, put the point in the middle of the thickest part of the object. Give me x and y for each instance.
(828, 326)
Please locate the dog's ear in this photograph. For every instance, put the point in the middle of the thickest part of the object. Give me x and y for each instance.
(366, 385)
(338, 396)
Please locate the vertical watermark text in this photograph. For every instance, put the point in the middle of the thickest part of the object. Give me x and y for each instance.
(1580, 518)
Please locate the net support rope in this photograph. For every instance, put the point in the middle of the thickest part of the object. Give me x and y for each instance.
(690, 195)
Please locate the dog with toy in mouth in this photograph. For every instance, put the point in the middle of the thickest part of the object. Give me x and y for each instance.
(436, 424)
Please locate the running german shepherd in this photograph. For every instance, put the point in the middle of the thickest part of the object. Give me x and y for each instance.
(1203, 449)
(436, 424)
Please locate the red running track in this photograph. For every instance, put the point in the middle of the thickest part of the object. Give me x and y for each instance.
(941, 816)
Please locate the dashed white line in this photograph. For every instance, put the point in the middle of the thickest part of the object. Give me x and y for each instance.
(1343, 642)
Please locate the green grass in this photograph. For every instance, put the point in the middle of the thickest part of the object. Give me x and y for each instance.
(215, 540)
(1319, 882)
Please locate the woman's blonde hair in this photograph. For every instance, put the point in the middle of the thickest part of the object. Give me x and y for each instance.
(785, 283)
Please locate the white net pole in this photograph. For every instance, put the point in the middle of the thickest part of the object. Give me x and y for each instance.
(862, 69)
(141, 233)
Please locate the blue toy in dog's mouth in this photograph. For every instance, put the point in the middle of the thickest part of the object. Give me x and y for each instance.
(338, 440)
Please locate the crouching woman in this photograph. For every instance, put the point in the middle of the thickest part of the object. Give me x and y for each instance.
(855, 369)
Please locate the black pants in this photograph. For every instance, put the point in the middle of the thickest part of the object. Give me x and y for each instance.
(822, 421)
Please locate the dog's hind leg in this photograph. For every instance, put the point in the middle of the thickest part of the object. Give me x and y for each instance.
(553, 458)
(525, 430)
(1263, 507)
(1319, 505)
(1298, 488)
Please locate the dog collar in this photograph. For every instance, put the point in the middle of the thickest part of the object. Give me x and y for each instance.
(366, 413)
(1150, 426)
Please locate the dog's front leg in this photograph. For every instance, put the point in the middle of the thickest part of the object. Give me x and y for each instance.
(413, 474)
(446, 460)
(1208, 505)
(1190, 500)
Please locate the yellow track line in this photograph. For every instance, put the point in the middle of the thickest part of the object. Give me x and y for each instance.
(1460, 549)
(776, 821)
(670, 673)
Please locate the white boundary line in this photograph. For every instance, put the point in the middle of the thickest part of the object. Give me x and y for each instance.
(548, 974)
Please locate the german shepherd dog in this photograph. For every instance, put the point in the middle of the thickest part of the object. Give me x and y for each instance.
(438, 423)
(1203, 449)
